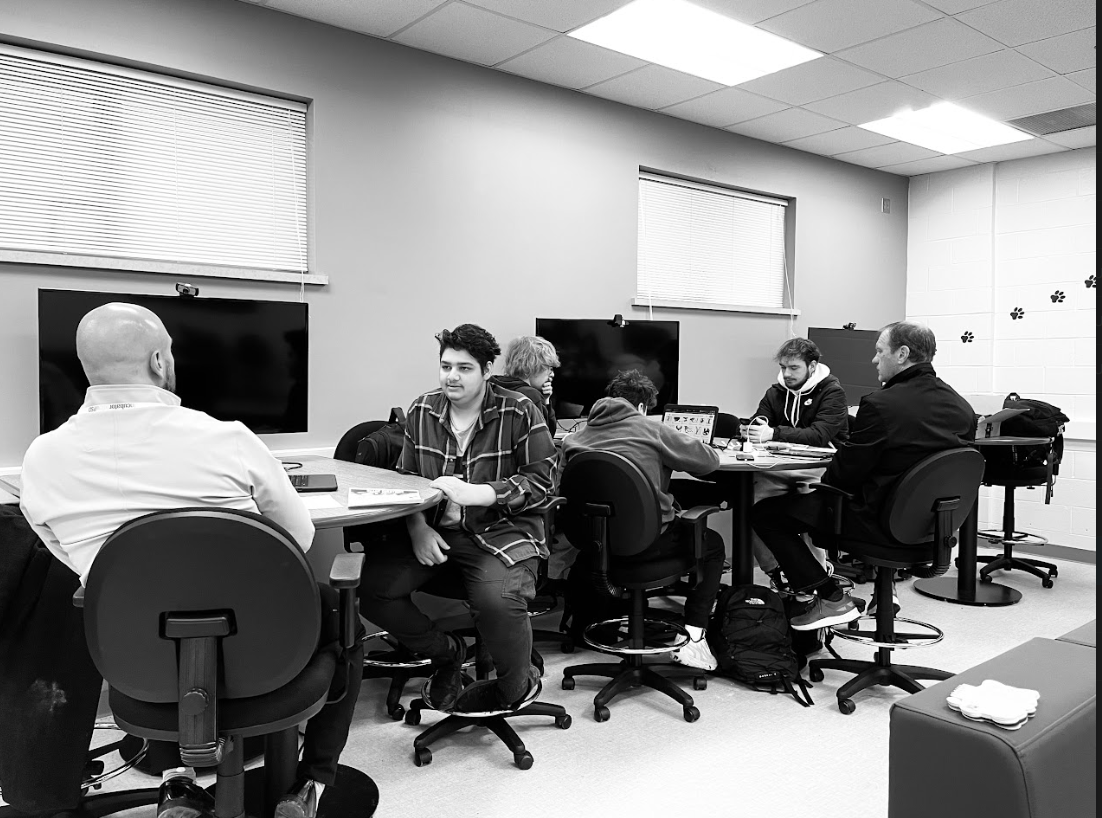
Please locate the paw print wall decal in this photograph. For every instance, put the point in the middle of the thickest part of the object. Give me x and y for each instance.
(967, 337)
(1057, 296)
(1090, 282)
(1017, 313)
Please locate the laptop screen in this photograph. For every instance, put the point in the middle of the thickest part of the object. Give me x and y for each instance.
(698, 422)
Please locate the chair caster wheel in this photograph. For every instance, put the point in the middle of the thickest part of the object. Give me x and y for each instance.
(422, 756)
(568, 683)
(396, 712)
(846, 706)
(601, 713)
(700, 683)
(815, 674)
(985, 578)
(563, 722)
(524, 760)
(413, 717)
(1046, 583)
(691, 714)
(1053, 574)
(853, 626)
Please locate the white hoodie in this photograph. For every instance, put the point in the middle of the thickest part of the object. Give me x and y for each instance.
(792, 414)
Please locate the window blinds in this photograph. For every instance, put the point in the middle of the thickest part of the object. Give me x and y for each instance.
(709, 247)
(107, 162)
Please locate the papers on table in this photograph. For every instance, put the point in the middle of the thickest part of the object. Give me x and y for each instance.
(370, 497)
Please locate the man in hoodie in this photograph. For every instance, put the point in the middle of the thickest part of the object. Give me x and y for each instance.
(529, 366)
(618, 423)
(806, 405)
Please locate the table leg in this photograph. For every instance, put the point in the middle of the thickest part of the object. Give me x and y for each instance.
(742, 554)
(965, 590)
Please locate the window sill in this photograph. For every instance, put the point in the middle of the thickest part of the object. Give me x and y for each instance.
(644, 303)
(176, 268)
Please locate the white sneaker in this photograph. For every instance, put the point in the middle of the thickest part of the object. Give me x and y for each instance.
(695, 654)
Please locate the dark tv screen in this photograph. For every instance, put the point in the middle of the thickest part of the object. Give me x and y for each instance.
(235, 359)
(592, 351)
(848, 353)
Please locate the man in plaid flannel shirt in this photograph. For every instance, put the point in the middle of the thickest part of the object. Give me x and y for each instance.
(491, 454)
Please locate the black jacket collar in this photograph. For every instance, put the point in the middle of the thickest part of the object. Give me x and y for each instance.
(916, 371)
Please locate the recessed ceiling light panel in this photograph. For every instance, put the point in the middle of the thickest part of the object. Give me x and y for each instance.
(695, 40)
(946, 128)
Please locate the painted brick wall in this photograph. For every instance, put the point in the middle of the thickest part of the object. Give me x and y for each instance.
(1001, 265)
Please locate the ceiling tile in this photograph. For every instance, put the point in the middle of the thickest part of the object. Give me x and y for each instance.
(785, 125)
(875, 102)
(473, 35)
(653, 86)
(1085, 79)
(560, 15)
(831, 25)
(380, 19)
(1066, 53)
(1003, 69)
(1031, 98)
(1015, 150)
(917, 49)
(1079, 138)
(893, 153)
(934, 164)
(957, 6)
(810, 81)
(571, 63)
(751, 11)
(724, 107)
(842, 140)
(1015, 22)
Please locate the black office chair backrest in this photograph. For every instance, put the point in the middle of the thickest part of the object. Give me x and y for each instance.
(346, 446)
(201, 559)
(727, 425)
(908, 511)
(609, 479)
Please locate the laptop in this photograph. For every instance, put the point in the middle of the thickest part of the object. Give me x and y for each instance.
(313, 482)
(698, 422)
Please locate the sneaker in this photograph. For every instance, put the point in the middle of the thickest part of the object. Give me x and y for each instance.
(485, 696)
(895, 605)
(695, 653)
(446, 682)
(823, 613)
(300, 802)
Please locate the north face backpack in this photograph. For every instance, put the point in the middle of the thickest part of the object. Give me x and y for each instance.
(752, 641)
(383, 447)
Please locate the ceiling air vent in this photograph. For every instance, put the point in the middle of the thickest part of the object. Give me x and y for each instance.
(1066, 119)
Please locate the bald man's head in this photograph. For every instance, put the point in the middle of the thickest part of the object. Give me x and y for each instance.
(124, 343)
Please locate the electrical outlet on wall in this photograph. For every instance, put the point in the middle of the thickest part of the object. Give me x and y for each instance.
(885, 205)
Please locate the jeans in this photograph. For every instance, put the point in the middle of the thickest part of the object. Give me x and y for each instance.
(773, 484)
(780, 522)
(327, 730)
(497, 593)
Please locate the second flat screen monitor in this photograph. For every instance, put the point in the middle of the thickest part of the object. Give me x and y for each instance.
(592, 351)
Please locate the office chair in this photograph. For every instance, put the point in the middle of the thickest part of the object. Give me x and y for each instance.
(612, 512)
(1014, 467)
(919, 519)
(204, 622)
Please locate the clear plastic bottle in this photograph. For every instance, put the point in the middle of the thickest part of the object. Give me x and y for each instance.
(181, 797)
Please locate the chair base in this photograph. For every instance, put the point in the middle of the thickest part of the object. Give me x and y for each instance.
(869, 673)
(997, 537)
(1044, 571)
(496, 724)
(631, 673)
(353, 795)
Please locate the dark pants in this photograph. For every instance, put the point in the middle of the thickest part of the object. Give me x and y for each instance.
(498, 595)
(676, 539)
(327, 731)
(780, 521)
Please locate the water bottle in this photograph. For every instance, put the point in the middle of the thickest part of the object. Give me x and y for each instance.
(181, 797)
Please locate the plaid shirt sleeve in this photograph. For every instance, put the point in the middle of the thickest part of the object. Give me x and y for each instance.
(536, 457)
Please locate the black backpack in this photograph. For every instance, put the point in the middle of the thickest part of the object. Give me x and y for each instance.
(1039, 420)
(383, 447)
(751, 639)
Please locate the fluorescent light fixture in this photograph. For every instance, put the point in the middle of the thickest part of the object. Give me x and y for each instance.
(946, 128)
(694, 40)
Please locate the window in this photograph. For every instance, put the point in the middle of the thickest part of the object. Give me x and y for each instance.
(709, 247)
(107, 167)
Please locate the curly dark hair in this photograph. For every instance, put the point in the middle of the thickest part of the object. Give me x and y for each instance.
(800, 348)
(634, 387)
(472, 339)
(918, 338)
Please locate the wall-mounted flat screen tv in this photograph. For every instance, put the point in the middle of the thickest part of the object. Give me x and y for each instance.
(848, 353)
(592, 351)
(235, 359)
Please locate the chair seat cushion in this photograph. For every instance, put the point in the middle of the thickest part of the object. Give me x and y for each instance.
(295, 702)
(891, 555)
(653, 573)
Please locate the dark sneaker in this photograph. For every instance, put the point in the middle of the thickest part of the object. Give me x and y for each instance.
(300, 802)
(823, 613)
(448, 679)
(485, 696)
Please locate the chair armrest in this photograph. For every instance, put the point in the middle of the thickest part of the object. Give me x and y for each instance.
(695, 513)
(346, 569)
(78, 597)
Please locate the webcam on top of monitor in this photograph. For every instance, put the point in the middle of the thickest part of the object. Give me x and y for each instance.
(618, 321)
(850, 325)
(186, 290)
